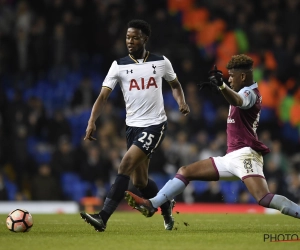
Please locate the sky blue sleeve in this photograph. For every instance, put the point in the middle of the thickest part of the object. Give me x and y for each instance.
(248, 96)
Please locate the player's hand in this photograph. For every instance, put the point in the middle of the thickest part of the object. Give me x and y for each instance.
(89, 131)
(184, 109)
(216, 76)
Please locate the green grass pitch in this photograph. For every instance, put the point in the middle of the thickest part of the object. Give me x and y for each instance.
(130, 230)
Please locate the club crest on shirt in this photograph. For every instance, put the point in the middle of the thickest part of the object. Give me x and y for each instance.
(248, 166)
(153, 66)
(246, 93)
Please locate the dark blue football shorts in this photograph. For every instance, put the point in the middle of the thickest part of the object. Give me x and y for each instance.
(147, 138)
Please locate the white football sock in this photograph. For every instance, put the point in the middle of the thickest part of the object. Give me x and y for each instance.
(285, 206)
(171, 189)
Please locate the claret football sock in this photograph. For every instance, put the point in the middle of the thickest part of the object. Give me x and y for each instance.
(114, 196)
(281, 203)
(171, 189)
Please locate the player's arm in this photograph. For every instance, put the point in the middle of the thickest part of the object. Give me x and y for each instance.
(216, 78)
(96, 111)
(179, 96)
(231, 96)
(177, 91)
(108, 85)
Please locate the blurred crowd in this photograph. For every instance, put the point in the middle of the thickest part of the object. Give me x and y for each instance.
(54, 55)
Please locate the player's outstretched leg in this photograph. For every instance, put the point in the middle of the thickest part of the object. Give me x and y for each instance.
(140, 204)
(95, 220)
(281, 203)
(258, 186)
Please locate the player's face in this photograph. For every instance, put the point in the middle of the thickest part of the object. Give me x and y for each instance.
(135, 41)
(235, 79)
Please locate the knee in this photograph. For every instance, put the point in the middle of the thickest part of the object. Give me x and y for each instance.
(182, 171)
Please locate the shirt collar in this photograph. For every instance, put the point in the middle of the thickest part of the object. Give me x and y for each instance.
(254, 85)
(144, 60)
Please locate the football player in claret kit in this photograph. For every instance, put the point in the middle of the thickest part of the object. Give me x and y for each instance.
(140, 77)
(244, 157)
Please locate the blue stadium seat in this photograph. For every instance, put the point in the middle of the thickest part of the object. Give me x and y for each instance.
(97, 81)
(96, 62)
(69, 183)
(209, 112)
(79, 191)
(267, 114)
(11, 188)
(43, 157)
(84, 116)
(73, 79)
(37, 150)
(169, 100)
(89, 188)
(199, 186)
(289, 132)
(230, 190)
(74, 123)
(79, 126)
(74, 188)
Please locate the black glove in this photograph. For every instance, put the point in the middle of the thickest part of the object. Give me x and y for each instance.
(216, 76)
(215, 80)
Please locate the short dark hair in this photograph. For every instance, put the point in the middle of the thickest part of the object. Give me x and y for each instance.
(140, 24)
(240, 62)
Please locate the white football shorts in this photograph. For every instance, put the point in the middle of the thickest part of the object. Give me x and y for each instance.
(242, 163)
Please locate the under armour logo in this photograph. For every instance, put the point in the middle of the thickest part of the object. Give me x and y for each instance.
(154, 72)
(248, 165)
(146, 147)
(131, 71)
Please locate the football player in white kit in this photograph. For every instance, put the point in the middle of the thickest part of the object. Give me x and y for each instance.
(244, 156)
(140, 77)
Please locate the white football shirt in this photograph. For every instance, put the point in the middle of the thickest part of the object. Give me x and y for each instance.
(141, 83)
